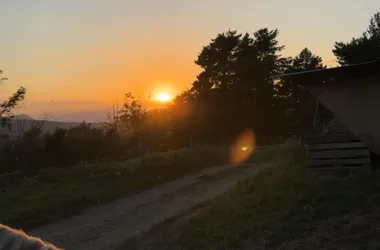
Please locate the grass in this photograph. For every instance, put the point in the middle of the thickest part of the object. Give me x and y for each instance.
(55, 193)
(285, 207)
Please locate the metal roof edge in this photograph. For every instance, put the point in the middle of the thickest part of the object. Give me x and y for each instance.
(377, 61)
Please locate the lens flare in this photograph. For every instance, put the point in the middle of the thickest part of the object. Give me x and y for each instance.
(242, 147)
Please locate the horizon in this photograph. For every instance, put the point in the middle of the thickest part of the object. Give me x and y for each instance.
(91, 115)
(83, 56)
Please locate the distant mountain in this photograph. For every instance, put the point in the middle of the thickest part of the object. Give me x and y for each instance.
(87, 116)
(19, 126)
(23, 117)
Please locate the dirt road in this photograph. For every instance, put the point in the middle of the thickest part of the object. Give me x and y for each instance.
(106, 226)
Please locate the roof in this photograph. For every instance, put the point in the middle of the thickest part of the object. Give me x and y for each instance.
(336, 75)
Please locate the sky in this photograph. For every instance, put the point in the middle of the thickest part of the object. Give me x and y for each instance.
(82, 55)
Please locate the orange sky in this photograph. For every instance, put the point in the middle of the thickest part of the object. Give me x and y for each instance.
(85, 54)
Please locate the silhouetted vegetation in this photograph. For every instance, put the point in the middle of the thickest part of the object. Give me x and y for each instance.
(83, 143)
(7, 105)
(236, 90)
(362, 49)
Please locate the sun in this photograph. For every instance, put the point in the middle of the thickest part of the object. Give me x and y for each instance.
(163, 97)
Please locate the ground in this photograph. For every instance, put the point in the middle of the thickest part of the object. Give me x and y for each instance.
(107, 226)
(280, 204)
(32, 199)
(284, 207)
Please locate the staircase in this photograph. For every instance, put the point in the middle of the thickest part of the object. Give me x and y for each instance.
(336, 147)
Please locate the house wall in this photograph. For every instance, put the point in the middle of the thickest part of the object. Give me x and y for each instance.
(357, 105)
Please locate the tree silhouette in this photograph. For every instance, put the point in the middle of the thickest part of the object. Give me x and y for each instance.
(7, 105)
(362, 49)
(234, 91)
(293, 102)
(132, 114)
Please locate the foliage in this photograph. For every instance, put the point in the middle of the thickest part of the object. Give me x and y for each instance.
(236, 90)
(294, 102)
(113, 125)
(65, 147)
(132, 114)
(7, 105)
(234, 79)
(362, 49)
(148, 131)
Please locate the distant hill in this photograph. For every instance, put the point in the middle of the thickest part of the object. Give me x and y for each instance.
(88, 116)
(23, 122)
(23, 117)
(96, 116)
(19, 126)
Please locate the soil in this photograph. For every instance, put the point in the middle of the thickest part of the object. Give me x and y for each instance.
(110, 226)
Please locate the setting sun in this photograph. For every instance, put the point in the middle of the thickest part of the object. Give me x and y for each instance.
(163, 97)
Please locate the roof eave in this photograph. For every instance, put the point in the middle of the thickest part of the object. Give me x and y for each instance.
(337, 75)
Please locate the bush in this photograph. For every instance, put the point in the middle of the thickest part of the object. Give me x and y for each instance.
(52, 193)
(64, 147)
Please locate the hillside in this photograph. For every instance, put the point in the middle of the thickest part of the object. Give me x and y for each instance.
(19, 126)
(23, 117)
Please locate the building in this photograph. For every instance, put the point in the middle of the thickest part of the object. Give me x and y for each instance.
(352, 94)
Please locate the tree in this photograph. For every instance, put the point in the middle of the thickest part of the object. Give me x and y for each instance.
(7, 105)
(216, 60)
(132, 114)
(234, 91)
(293, 102)
(362, 49)
(112, 124)
(304, 61)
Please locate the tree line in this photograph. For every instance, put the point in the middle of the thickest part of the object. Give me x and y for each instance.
(235, 91)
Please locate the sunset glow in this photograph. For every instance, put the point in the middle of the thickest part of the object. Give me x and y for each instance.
(91, 58)
(163, 97)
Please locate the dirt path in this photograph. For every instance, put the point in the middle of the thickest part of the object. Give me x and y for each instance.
(106, 226)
